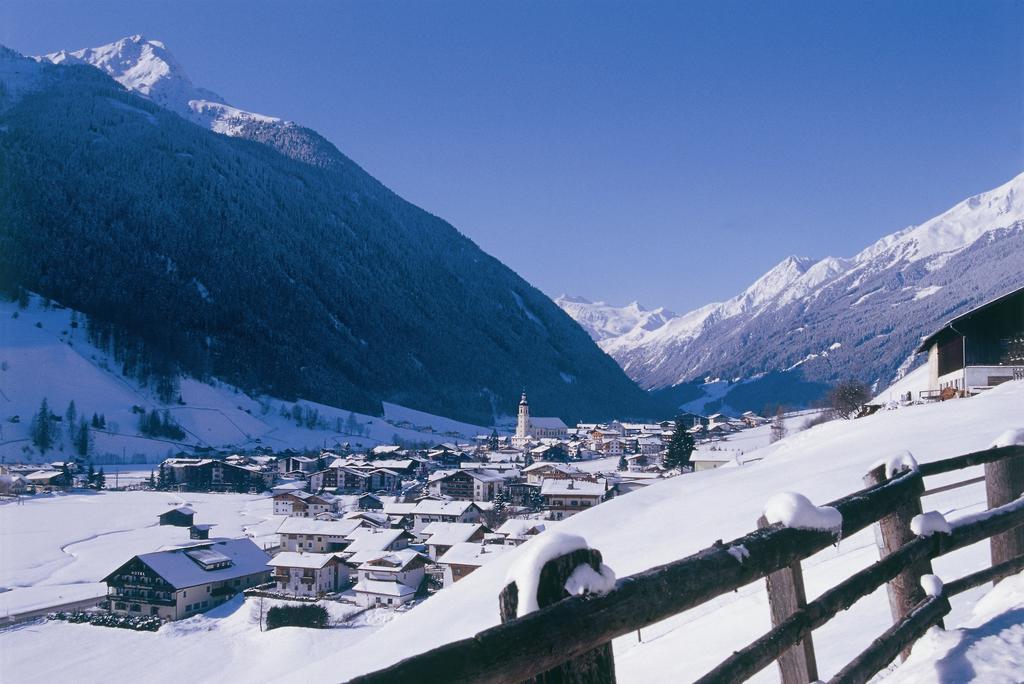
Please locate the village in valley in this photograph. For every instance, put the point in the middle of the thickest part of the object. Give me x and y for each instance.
(387, 527)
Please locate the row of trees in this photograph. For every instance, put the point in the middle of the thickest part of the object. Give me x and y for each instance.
(160, 424)
(45, 430)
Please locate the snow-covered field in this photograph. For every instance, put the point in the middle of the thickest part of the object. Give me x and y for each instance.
(55, 549)
(43, 356)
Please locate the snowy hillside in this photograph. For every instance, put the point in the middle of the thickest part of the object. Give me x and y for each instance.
(682, 515)
(42, 355)
(826, 316)
(148, 68)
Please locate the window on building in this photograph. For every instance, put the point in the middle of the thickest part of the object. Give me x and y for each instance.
(153, 610)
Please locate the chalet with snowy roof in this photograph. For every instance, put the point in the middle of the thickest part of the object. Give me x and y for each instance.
(368, 543)
(303, 504)
(428, 511)
(352, 479)
(370, 502)
(310, 575)
(390, 579)
(978, 349)
(471, 484)
(182, 516)
(564, 498)
(209, 474)
(181, 582)
(555, 471)
(316, 536)
(200, 531)
(439, 537)
(48, 480)
(298, 464)
(464, 558)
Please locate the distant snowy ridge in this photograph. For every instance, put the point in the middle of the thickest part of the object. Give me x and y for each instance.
(149, 69)
(875, 305)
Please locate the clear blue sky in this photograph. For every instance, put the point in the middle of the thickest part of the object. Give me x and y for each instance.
(666, 152)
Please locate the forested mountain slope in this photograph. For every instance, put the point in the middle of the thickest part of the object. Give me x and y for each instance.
(295, 274)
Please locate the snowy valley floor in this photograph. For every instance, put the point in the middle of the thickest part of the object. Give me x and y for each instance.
(661, 523)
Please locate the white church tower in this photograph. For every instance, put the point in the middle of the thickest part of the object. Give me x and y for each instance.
(523, 423)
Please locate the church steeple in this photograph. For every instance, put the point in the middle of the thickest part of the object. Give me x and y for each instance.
(523, 423)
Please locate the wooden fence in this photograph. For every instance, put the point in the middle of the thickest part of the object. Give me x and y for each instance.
(569, 638)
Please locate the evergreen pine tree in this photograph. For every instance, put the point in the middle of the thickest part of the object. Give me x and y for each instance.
(680, 447)
(71, 418)
(90, 475)
(623, 463)
(42, 428)
(101, 479)
(95, 421)
(82, 439)
(151, 481)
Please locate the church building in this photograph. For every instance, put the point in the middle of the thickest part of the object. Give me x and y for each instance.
(534, 429)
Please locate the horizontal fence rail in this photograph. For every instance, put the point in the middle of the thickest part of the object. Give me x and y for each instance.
(525, 647)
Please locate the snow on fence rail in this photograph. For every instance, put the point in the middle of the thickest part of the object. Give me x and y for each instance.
(572, 636)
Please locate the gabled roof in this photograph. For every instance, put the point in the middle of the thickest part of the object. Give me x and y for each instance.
(181, 570)
(572, 487)
(472, 553)
(392, 561)
(927, 342)
(295, 559)
(449, 533)
(333, 528)
(547, 423)
(434, 507)
(374, 539)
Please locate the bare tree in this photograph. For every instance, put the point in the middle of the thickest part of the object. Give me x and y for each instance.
(778, 428)
(847, 397)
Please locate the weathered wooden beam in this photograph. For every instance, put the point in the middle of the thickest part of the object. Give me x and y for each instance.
(786, 596)
(991, 574)
(982, 457)
(536, 643)
(596, 666)
(897, 638)
(904, 590)
(750, 660)
(1004, 483)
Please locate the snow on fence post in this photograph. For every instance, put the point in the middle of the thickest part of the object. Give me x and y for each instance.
(1004, 482)
(904, 590)
(593, 667)
(786, 596)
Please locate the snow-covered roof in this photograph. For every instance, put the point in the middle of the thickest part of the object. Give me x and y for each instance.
(434, 507)
(180, 569)
(383, 587)
(472, 553)
(42, 475)
(560, 467)
(332, 528)
(479, 474)
(572, 487)
(449, 533)
(518, 528)
(547, 423)
(396, 508)
(297, 559)
(373, 539)
(398, 560)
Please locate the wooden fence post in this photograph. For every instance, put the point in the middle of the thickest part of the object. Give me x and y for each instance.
(905, 590)
(786, 596)
(1004, 482)
(593, 667)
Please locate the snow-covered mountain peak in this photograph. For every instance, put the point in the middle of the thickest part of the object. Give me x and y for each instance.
(954, 229)
(148, 68)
